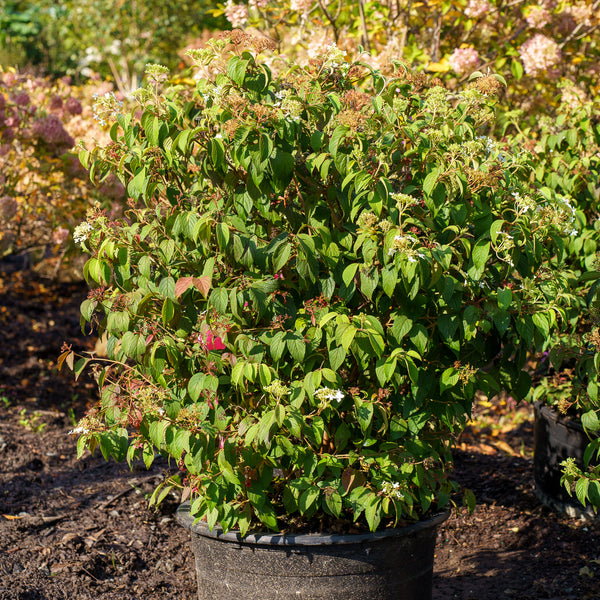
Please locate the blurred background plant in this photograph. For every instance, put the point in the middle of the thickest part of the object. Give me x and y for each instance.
(111, 39)
(44, 190)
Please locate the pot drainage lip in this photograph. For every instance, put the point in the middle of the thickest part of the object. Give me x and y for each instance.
(315, 539)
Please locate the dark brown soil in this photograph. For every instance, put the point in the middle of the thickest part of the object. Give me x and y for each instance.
(81, 530)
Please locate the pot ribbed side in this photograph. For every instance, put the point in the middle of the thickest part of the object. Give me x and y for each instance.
(391, 564)
(555, 439)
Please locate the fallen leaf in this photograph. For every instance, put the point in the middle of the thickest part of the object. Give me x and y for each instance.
(504, 447)
(11, 517)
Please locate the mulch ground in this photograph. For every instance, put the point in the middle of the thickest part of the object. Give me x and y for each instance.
(82, 530)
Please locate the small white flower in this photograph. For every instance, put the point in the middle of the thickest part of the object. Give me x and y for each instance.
(79, 431)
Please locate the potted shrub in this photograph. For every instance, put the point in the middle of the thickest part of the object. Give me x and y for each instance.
(566, 447)
(316, 272)
(565, 387)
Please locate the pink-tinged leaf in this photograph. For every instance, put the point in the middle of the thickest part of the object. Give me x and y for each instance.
(182, 284)
(202, 284)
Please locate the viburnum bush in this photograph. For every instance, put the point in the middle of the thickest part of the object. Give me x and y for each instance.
(44, 190)
(315, 274)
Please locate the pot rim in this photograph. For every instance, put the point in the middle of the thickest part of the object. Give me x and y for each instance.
(305, 539)
(552, 414)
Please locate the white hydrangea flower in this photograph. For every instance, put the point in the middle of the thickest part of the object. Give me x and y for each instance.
(81, 232)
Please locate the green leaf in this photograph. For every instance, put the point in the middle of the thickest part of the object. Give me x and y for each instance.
(195, 386)
(430, 181)
(277, 346)
(219, 298)
(296, 345)
(581, 490)
(517, 69)
(448, 379)
(504, 298)
(419, 337)
(333, 503)
(336, 357)
(590, 421)
(373, 511)
(166, 287)
(349, 273)
(281, 256)
(236, 70)
(541, 322)
(307, 503)
(347, 336)
(168, 311)
(337, 137)
(481, 252)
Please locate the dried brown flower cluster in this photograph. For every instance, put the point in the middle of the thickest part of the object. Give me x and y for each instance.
(488, 86)
(241, 39)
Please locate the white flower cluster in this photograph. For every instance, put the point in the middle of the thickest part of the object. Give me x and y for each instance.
(334, 56)
(464, 60)
(392, 490)
(477, 8)
(106, 106)
(404, 245)
(525, 204)
(258, 3)
(490, 144)
(236, 14)
(81, 232)
(538, 54)
(277, 389)
(567, 215)
(329, 394)
(403, 201)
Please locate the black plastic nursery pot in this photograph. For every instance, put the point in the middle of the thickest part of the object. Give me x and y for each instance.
(556, 438)
(384, 565)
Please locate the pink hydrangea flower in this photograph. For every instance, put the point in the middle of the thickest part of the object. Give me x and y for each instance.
(60, 235)
(538, 54)
(51, 131)
(477, 8)
(301, 6)
(73, 106)
(236, 14)
(538, 17)
(22, 99)
(464, 60)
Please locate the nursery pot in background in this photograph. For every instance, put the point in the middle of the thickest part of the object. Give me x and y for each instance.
(384, 565)
(556, 438)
